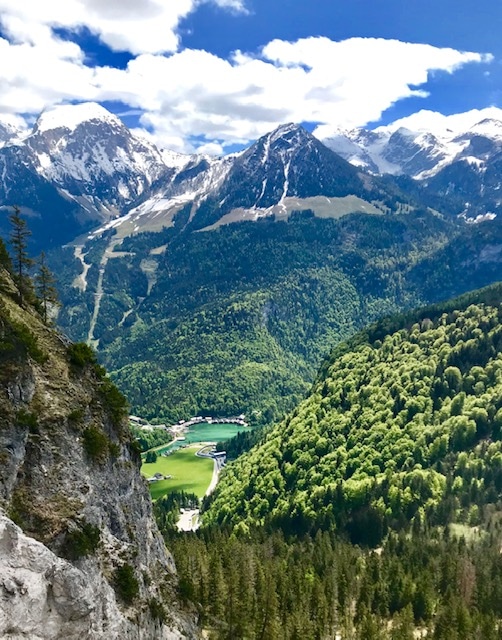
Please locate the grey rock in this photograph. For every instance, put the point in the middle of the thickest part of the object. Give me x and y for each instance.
(52, 487)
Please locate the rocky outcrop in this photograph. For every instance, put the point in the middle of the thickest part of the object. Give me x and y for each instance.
(45, 597)
(80, 553)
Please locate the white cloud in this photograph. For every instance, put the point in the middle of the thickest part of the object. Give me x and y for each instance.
(446, 126)
(145, 26)
(211, 149)
(234, 5)
(338, 84)
(192, 95)
(38, 76)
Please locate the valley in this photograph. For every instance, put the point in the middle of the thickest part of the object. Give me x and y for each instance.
(194, 444)
(352, 316)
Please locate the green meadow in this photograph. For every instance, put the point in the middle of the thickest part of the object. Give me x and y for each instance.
(189, 473)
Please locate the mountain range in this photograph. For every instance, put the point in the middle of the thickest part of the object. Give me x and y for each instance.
(462, 162)
(216, 286)
(82, 162)
(81, 167)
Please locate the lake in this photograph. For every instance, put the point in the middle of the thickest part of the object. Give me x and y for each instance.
(204, 432)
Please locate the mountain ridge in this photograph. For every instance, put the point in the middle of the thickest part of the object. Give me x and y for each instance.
(83, 162)
(418, 148)
(394, 422)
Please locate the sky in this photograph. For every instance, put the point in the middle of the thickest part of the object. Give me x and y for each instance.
(214, 75)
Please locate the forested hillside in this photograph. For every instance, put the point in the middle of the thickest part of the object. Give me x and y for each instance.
(403, 426)
(238, 319)
(373, 511)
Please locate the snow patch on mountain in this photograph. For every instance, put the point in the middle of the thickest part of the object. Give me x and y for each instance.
(444, 127)
(12, 129)
(176, 160)
(192, 183)
(489, 128)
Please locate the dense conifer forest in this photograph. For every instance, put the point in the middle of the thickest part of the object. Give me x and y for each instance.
(425, 583)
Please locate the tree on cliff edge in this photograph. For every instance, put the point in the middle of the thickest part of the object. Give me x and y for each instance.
(20, 258)
(45, 287)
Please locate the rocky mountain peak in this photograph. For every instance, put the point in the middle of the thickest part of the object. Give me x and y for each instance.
(94, 158)
(290, 132)
(285, 140)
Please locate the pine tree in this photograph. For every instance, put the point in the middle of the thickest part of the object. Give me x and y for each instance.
(46, 291)
(21, 261)
(5, 261)
(403, 628)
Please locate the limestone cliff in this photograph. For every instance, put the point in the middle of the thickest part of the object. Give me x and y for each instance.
(80, 554)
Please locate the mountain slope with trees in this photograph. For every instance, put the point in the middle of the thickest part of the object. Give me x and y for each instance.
(402, 426)
(238, 319)
(398, 445)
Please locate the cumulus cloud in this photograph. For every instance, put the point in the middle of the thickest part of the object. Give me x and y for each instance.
(441, 125)
(337, 84)
(191, 97)
(148, 26)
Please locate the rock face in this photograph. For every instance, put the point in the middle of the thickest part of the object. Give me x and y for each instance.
(80, 554)
(43, 596)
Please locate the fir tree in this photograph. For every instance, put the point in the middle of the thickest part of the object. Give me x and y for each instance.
(5, 261)
(44, 283)
(21, 261)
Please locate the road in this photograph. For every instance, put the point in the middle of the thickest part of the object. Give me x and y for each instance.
(189, 518)
(216, 468)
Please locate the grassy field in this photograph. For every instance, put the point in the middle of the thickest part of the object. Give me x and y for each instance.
(189, 473)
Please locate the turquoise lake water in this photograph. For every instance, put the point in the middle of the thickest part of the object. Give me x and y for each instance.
(204, 432)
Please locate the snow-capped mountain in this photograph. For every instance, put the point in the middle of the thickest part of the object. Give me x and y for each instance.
(288, 162)
(458, 157)
(81, 169)
(421, 147)
(79, 166)
(285, 170)
(91, 154)
(399, 151)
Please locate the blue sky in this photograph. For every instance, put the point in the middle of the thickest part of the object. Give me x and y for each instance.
(461, 24)
(215, 74)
